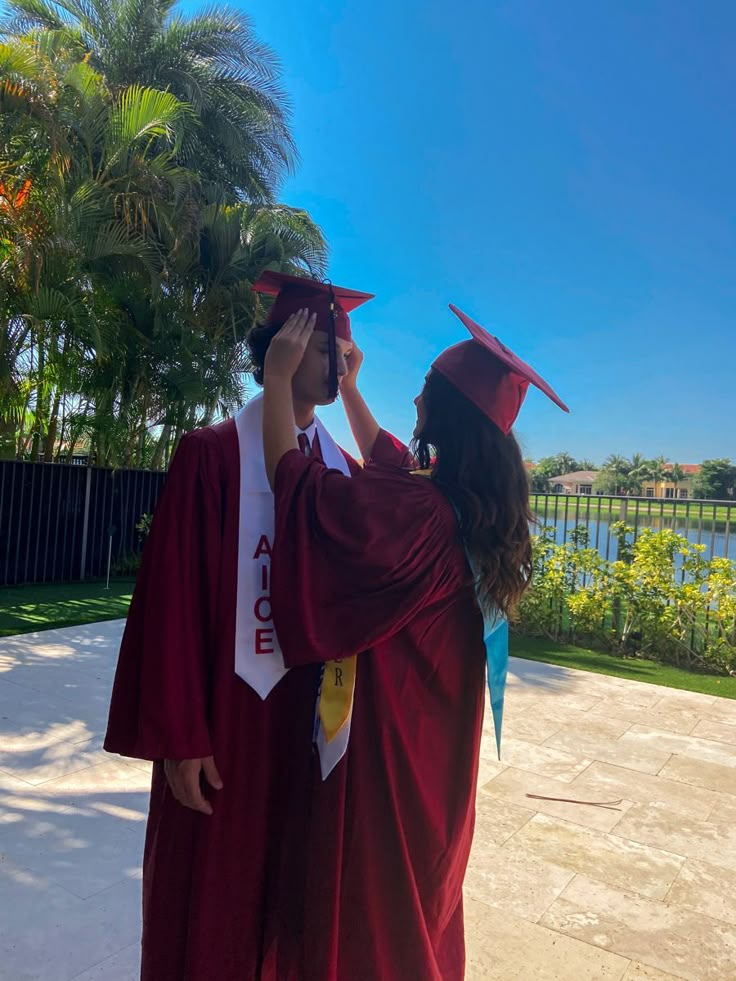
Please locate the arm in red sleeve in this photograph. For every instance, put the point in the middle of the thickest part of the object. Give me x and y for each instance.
(391, 452)
(354, 559)
(160, 695)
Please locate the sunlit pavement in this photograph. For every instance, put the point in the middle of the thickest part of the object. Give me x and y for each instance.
(644, 887)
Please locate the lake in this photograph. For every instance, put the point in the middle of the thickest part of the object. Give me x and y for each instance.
(701, 522)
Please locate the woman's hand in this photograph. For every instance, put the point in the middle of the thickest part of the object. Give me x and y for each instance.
(284, 355)
(286, 350)
(354, 360)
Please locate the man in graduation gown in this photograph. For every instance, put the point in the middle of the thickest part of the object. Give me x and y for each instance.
(384, 585)
(201, 688)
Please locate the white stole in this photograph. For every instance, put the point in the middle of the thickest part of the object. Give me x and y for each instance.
(258, 658)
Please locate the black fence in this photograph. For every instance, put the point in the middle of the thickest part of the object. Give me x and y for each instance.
(62, 522)
(709, 523)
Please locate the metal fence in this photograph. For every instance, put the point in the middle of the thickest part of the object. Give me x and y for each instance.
(57, 520)
(709, 523)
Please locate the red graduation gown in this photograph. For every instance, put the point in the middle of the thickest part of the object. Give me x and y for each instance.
(209, 883)
(382, 573)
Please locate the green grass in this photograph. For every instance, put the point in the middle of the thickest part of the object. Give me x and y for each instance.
(24, 609)
(648, 507)
(652, 672)
(679, 510)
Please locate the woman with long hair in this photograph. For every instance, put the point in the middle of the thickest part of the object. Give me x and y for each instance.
(386, 579)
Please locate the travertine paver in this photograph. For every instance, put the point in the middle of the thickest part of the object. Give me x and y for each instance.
(640, 891)
(710, 889)
(608, 857)
(603, 779)
(679, 941)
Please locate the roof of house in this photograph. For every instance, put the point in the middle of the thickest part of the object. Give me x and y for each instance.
(578, 477)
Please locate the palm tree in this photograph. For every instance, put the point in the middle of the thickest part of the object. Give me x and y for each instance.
(202, 375)
(638, 472)
(125, 297)
(212, 61)
(618, 467)
(658, 469)
(94, 214)
(677, 474)
(33, 156)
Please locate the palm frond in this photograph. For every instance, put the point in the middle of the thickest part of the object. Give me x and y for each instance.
(22, 63)
(51, 304)
(22, 16)
(142, 116)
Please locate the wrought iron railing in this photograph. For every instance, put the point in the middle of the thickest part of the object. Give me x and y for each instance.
(709, 523)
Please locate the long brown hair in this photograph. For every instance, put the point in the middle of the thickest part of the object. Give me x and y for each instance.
(482, 473)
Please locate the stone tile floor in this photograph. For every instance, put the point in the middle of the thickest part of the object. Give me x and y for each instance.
(644, 889)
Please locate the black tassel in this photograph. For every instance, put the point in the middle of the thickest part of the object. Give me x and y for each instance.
(332, 384)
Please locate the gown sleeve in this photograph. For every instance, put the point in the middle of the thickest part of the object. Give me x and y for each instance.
(355, 559)
(160, 695)
(391, 452)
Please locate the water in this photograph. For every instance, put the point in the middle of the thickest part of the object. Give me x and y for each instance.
(564, 514)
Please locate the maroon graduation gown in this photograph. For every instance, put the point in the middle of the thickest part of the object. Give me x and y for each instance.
(209, 883)
(382, 574)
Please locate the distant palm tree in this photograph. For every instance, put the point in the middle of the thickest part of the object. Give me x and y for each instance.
(638, 473)
(616, 463)
(658, 470)
(677, 474)
(619, 467)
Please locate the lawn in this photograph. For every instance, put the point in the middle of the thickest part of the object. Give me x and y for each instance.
(652, 672)
(24, 609)
(584, 506)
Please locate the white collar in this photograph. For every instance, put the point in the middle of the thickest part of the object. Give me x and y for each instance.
(309, 432)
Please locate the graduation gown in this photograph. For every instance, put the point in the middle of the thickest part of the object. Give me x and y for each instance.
(382, 573)
(209, 883)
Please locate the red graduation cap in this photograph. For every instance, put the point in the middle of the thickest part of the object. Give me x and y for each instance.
(491, 376)
(294, 292)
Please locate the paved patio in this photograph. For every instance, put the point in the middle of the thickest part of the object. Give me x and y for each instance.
(555, 891)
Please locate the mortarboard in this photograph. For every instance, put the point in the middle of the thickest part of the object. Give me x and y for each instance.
(332, 304)
(294, 292)
(490, 375)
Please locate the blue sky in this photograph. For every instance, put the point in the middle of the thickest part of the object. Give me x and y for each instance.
(564, 172)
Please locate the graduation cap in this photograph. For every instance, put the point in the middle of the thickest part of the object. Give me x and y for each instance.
(490, 375)
(332, 304)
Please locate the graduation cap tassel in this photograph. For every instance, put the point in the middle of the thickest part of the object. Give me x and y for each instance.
(332, 348)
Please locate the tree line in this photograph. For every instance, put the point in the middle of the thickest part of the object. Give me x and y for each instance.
(141, 155)
(715, 480)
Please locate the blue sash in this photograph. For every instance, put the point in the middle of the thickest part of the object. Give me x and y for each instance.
(496, 639)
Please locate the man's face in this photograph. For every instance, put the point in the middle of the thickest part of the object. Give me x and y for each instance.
(311, 382)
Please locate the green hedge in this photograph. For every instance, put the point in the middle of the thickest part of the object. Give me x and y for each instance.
(660, 599)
